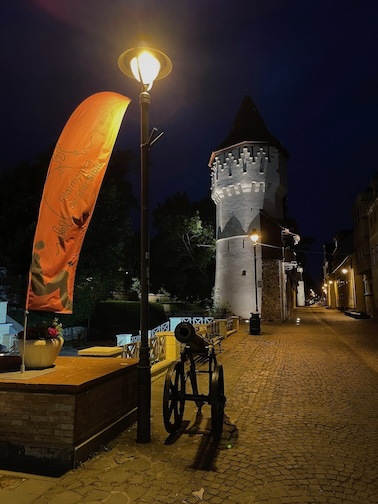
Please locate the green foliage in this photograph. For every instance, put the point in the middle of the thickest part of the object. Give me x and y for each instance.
(183, 251)
(118, 317)
(221, 311)
(109, 246)
(20, 195)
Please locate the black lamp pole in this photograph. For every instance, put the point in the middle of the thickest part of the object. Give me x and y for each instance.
(144, 366)
(255, 261)
(145, 65)
(254, 321)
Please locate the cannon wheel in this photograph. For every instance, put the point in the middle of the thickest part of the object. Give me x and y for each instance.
(217, 400)
(174, 397)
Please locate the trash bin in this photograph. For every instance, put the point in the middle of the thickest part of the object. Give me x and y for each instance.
(254, 323)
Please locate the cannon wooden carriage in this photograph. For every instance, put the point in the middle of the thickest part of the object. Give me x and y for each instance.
(194, 347)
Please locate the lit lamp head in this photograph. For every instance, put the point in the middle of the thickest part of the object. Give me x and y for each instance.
(254, 236)
(145, 65)
(344, 271)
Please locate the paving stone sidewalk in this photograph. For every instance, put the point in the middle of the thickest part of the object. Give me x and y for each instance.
(301, 426)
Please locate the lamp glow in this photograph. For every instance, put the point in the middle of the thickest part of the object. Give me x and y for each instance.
(145, 68)
(254, 236)
(145, 65)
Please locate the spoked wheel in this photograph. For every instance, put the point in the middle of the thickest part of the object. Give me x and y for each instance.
(174, 397)
(217, 400)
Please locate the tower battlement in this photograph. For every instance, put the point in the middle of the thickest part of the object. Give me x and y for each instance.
(255, 169)
(244, 169)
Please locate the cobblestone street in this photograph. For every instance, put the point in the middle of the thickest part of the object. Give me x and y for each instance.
(301, 426)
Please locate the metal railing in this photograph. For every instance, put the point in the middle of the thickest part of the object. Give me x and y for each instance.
(157, 349)
(157, 343)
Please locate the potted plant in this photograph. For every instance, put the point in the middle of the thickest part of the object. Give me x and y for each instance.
(42, 344)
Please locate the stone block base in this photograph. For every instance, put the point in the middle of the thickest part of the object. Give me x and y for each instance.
(54, 421)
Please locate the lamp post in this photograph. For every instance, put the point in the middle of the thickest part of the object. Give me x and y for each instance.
(345, 300)
(254, 321)
(330, 296)
(145, 65)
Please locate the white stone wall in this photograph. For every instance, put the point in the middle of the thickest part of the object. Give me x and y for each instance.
(235, 275)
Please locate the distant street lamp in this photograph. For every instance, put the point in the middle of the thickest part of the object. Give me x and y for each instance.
(145, 65)
(254, 321)
(345, 299)
(330, 288)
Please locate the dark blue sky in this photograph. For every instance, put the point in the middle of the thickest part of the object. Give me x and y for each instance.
(310, 67)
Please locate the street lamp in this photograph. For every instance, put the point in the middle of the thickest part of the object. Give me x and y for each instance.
(345, 300)
(145, 65)
(330, 283)
(254, 321)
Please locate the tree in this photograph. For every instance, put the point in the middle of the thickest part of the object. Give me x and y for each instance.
(182, 257)
(108, 248)
(20, 194)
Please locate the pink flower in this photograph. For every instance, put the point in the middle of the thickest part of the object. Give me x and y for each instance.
(53, 333)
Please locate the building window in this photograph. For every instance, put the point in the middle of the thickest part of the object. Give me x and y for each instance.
(244, 272)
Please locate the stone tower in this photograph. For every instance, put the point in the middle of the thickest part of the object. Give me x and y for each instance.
(248, 186)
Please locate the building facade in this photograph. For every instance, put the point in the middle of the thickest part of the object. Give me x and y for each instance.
(351, 263)
(248, 187)
(371, 287)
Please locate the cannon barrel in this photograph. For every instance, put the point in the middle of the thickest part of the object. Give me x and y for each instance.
(185, 333)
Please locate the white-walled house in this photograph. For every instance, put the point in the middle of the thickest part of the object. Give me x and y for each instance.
(9, 328)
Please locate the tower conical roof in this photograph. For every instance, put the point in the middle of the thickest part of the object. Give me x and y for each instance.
(249, 126)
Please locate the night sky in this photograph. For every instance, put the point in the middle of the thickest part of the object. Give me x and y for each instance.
(310, 67)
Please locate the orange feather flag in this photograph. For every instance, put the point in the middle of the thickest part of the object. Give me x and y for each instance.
(73, 182)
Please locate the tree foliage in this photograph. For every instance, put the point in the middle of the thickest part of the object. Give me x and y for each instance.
(183, 250)
(108, 248)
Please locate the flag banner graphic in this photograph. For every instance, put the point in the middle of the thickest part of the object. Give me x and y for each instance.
(73, 181)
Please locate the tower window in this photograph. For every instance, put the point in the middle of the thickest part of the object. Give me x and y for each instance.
(262, 163)
(244, 272)
(229, 165)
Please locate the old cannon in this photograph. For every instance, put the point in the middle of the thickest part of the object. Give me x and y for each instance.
(194, 348)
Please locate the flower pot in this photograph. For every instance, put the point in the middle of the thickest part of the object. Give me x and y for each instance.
(41, 353)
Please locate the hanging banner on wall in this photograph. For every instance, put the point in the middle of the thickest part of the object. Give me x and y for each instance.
(73, 182)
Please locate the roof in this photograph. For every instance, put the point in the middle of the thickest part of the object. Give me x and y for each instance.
(249, 126)
(15, 327)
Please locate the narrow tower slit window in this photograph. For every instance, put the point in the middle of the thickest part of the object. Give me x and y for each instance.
(262, 164)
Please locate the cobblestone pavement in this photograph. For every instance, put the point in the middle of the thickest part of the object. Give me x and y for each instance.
(301, 426)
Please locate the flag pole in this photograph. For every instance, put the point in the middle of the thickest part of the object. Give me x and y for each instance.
(26, 313)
